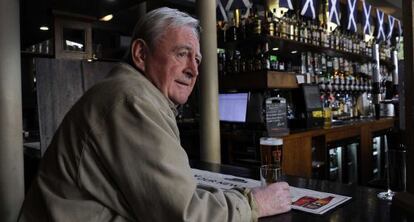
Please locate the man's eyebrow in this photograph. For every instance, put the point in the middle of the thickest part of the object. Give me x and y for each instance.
(189, 48)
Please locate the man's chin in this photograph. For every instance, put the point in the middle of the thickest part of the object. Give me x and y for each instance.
(179, 101)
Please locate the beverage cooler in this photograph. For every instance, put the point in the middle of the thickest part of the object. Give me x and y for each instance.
(343, 162)
(379, 165)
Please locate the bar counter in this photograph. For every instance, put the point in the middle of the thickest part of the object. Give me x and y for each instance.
(364, 205)
(298, 154)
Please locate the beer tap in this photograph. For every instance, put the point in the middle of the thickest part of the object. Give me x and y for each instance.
(376, 91)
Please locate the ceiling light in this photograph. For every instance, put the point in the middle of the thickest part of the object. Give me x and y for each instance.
(294, 52)
(44, 28)
(275, 49)
(106, 18)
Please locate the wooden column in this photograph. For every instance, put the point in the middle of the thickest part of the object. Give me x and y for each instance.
(11, 140)
(366, 157)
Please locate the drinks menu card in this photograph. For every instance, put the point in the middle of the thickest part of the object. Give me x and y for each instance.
(302, 199)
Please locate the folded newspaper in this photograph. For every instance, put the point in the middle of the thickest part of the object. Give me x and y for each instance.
(302, 199)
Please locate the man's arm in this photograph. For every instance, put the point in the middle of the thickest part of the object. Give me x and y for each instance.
(146, 174)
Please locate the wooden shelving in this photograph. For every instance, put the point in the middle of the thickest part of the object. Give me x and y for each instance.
(258, 80)
(286, 46)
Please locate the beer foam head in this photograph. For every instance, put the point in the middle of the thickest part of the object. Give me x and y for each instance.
(271, 141)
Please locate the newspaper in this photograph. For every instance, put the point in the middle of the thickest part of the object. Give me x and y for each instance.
(302, 199)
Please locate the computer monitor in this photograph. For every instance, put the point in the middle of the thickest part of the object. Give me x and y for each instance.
(233, 107)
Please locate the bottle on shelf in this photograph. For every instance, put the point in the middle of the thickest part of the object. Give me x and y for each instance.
(265, 57)
(270, 25)
(231, 32)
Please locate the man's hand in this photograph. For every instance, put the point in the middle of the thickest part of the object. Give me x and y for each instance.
(273, 199)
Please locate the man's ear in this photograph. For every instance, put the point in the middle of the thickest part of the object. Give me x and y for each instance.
(139, 53)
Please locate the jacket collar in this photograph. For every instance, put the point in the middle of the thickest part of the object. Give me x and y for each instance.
(127, 69)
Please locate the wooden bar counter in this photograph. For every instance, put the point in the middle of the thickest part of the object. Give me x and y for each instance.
(298, 155)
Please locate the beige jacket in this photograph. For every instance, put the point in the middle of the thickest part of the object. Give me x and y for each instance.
(117, 157)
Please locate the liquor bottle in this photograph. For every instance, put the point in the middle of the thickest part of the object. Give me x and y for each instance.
(324, 69)
(309, 32)
(236, 61)
(356, 44)
(283, 27)
(296, 31)
(341, 73)
(306, 32)
(317, 67)
(345, 41)
(291, 26)
(310, 68)
(242, 28)
(265, 57)
(221, 62)
(243, 63)
(316, 33)
(229, 64)
(282, 66)
(250, 22)
(231, 33)
(276, 24)
(250, 61)
(257, 64)
(324, 36)
(274, 63)
(257, 30)
(332, 40)
(337, 39)
(335, 76)
(329, 73)
(302, 31)
(303, 62)
(221, 31)
(270, 26)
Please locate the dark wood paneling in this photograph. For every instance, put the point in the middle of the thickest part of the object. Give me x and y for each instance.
(297, 157)
(59, 86)
(93, 72)
(261, 80)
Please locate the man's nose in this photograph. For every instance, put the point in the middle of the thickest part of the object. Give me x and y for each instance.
(192, 65)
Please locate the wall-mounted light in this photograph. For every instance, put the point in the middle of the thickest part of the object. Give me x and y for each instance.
(275, 49)
(44, 28)
(106, 18)
(294, 52)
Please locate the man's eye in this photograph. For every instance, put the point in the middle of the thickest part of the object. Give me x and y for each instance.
(182, 54)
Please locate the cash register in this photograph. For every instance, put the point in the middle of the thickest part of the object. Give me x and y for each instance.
(308, 108)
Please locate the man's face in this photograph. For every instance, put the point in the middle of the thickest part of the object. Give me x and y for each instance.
(173, 64)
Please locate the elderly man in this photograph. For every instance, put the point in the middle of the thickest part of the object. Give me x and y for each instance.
(117, 155)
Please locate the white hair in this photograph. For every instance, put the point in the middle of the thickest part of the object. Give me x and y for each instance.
(152, 26)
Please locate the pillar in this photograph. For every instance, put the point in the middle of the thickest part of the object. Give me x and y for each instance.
(11, 141)
(209, 117)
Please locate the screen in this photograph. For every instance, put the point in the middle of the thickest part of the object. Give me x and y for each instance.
(312, 97)
(233, 107)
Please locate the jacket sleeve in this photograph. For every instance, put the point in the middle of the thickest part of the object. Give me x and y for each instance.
(136, 157)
